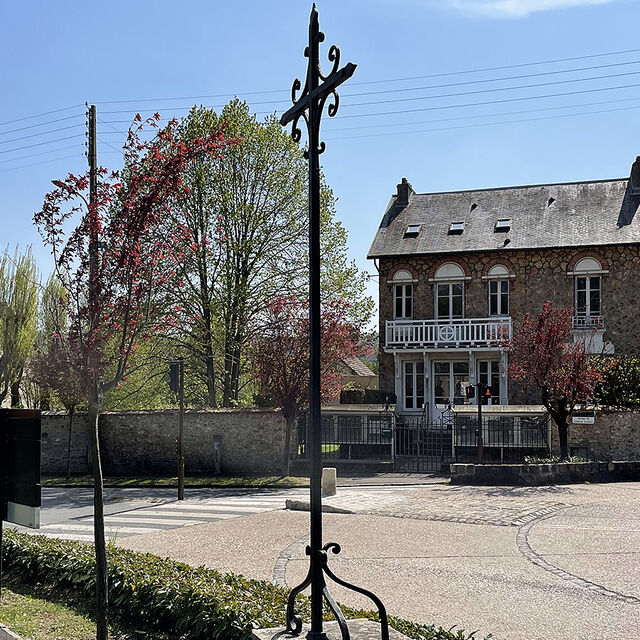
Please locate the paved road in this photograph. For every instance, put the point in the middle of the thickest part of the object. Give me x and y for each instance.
(539, 563)
(67, 513)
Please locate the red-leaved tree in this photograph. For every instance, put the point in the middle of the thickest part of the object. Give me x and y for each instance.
(110, 314)
(543, 354)
(281, 355)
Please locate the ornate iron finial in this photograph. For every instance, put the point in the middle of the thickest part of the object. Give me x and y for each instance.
(309, 105)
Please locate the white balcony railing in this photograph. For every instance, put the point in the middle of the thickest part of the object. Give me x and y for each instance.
(587, 323)
(479, 332)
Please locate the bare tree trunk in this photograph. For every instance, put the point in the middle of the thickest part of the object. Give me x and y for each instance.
(286, 454)
(71, 412)
(102, 580)
(208, 350)
(15, 391)
(563, 434)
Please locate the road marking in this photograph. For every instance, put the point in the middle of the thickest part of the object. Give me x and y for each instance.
(151, 521)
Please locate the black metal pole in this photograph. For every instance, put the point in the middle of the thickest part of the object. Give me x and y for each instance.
(479, 439)
(317, 582)
(317, 89)
(181, 430)
(3, 487)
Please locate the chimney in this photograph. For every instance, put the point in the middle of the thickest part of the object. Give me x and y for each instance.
(405, 191)
(634, 181)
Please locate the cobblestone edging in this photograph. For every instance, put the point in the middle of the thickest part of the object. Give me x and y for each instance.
(525, 548)
(280, 567)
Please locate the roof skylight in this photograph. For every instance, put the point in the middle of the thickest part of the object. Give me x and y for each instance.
(456, 228)
(413, 230)
(503, 225)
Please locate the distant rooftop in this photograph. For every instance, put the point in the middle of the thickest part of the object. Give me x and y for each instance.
(571, 214)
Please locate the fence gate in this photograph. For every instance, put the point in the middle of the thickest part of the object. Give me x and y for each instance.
(423, 446)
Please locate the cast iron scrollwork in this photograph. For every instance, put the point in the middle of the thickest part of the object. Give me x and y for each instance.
(294, 623)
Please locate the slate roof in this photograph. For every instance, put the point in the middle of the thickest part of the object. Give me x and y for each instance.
(358, 367)
(572, 214)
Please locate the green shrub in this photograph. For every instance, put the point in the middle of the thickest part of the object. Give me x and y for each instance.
(620, 387)
(165, 594)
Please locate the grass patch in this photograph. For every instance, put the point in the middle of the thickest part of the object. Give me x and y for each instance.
(37, 612)
(161, 594)
(194, 482)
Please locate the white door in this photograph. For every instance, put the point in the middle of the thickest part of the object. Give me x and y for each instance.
(450, 380)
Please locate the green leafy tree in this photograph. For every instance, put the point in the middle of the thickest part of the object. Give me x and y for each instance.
(243, 237)
(620, 385)
(18, 320)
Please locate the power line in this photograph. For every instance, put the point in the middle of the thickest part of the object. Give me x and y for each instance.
(108, 145)
(37, 144)
(500, 68)
(41, 133)
(44, 113)
(33, 164)
(382, 81)
(42, 153)
(428, 97)
(493, 90)
(485, 80)
(490, 102)
(41, 124)
(484, 115)
(482, 124)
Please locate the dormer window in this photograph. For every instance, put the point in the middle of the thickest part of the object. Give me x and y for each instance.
(412, 230)
(456, 228)
(503, 225)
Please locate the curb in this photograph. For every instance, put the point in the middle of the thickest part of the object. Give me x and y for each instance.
(301, 505)
(7, 634)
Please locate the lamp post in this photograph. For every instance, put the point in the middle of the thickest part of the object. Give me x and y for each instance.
(309, 106)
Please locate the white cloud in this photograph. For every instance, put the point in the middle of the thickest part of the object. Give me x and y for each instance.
(517, 8)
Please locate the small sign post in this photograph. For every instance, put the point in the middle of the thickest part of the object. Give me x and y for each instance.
(20, 488)
(583, 417)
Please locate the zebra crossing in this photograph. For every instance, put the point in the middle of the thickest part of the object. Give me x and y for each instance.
(154, 518)
(128, 515)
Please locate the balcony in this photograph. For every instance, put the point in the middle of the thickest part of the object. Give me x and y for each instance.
(587, 323)
(435, 334)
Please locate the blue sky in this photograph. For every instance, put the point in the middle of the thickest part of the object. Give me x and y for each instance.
(158, 55)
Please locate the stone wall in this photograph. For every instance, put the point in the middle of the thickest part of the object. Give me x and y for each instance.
(615, 435)
(144, 442)
(539, 275)
(544, 474)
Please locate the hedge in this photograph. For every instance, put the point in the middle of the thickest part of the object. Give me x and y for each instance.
(165, 594)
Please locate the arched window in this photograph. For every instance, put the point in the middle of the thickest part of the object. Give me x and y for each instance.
(449, 286)
(587, 277)
(498, 290)
(402, 283)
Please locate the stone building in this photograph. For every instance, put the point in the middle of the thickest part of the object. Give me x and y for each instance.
(459, 270)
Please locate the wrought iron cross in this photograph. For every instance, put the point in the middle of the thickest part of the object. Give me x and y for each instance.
(309, 106)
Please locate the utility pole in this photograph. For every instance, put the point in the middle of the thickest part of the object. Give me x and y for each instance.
(181, 431)
(102, 589)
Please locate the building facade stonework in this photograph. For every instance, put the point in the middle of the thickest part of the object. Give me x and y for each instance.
(458, 272)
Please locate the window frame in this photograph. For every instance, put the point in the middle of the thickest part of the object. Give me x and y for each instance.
(417, 383)
(499, 295)
(405, 298)
(588, 291)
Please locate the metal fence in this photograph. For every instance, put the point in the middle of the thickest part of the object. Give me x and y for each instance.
(415, 444)
(422, 446)
(507, 439)
(352, 437)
